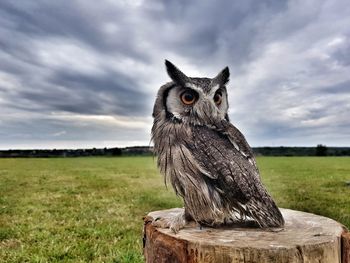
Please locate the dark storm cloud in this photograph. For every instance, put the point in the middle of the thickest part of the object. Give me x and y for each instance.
(121, 95)
(26, 24)
(68, 67)
(79, 93)
(203, 29)
(70, 19)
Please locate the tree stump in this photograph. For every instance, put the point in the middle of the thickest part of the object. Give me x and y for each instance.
(305, 238)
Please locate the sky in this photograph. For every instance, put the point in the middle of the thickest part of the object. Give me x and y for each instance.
(81, 74)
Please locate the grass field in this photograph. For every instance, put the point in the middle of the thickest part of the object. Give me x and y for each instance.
(91, 209)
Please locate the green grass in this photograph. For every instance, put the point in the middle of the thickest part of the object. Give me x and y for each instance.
(91, 209)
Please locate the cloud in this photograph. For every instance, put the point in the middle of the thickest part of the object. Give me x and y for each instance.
(60, 133)
(92, 70)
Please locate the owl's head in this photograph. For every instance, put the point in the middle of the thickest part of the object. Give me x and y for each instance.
(192, 100)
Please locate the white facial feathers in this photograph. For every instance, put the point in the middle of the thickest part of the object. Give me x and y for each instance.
(202, 110)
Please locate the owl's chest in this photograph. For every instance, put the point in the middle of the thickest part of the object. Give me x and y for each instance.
(171, 134)
(205, 139)
(194, 137)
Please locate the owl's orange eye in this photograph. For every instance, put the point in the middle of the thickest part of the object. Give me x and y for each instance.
(188, 97)
(218, 97)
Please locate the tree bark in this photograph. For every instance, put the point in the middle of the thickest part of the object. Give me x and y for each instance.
(305, 238)
(345, 239)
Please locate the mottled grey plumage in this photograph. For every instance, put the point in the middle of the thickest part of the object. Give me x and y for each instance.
(206, 158)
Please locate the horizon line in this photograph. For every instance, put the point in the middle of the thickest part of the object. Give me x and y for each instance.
(148, 146)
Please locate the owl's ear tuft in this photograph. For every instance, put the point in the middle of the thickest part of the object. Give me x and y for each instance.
(223, 77)
(175, 74)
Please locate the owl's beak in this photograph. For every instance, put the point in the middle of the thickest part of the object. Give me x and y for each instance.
(207, 110)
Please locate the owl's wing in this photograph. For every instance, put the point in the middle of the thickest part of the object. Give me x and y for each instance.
(233, 175)
(230, 170)
(237, 139)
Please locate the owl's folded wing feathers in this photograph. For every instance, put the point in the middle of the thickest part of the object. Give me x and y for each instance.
(237, 139)
(233, 175)
(231, 171)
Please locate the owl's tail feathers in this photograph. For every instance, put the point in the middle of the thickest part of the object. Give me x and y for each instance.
(264, 212)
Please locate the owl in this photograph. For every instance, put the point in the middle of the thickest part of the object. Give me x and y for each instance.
(206, 159)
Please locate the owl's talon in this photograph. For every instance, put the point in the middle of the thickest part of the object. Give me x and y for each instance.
(174, 223)
(175, 229)
(161, 222)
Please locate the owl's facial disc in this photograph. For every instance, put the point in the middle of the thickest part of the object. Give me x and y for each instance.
(197, 105)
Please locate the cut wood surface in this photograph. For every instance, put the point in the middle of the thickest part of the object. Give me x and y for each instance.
(305, 238)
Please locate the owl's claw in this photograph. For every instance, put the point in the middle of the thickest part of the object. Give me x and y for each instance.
(174, 223)
(176, 228)
(161, 222)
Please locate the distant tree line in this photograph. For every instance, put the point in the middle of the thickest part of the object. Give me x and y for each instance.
(319, 150)
(62, 152)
